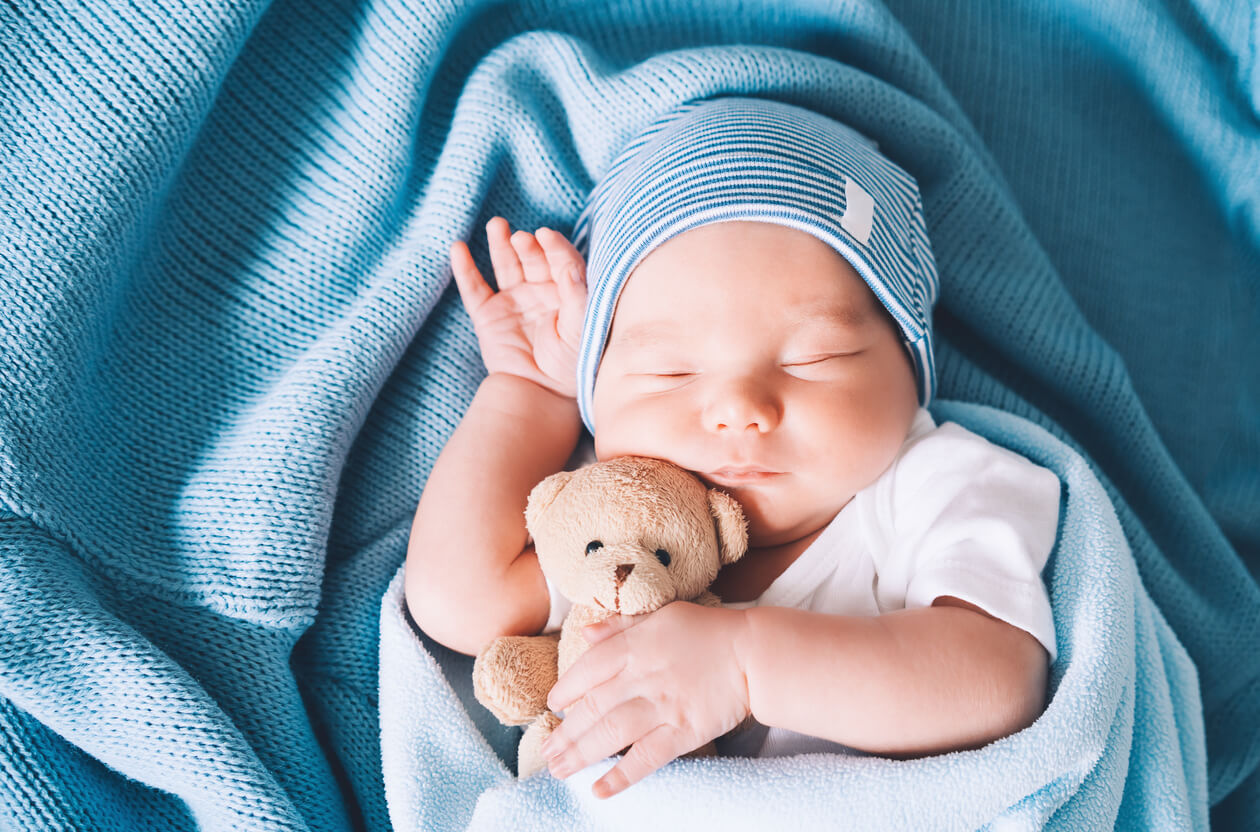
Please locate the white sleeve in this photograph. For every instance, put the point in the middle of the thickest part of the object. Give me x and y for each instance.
(560, 607)
(973, 520)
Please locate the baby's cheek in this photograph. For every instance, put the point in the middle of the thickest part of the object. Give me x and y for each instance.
(630, 427)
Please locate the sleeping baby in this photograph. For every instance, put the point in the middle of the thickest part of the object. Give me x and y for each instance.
(772, 284)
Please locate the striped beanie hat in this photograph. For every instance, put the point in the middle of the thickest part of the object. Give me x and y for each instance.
(753, 159)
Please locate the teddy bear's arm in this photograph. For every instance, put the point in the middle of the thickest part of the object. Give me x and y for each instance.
(513, 675)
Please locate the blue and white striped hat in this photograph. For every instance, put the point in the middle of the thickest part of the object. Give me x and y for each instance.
(753, 159)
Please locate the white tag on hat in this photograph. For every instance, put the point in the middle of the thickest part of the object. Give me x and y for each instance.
(859, 211)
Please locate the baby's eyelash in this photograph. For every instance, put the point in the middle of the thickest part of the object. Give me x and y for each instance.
(820, 360)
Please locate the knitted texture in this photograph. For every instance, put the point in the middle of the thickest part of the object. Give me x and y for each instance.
(230, 350)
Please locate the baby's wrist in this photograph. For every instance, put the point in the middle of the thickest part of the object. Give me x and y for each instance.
(745, 646)
(527, 388)
(528, 401)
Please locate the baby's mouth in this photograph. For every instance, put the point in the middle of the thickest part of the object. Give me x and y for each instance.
(737, 478)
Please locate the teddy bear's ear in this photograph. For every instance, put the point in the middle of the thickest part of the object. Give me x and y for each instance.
(731, 525)
(542, 496)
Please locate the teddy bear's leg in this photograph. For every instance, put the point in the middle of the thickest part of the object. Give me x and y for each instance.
(529, 757)
(513, 675)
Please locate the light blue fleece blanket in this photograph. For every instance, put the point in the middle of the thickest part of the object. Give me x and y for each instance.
(230, 353)
(1121, 742)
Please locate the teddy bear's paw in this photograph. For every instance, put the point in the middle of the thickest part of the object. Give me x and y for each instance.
(529, 756)
(513, 675)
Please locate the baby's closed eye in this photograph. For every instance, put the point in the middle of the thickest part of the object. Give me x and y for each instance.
(800, 362)
(803, 361)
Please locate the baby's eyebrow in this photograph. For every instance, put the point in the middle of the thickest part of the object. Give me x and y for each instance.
(846, 315)
(647, 333)
(849, 315)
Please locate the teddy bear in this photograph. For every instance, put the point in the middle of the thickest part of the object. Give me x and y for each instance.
(622, 536)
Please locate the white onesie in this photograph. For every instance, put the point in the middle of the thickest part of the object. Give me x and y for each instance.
(953, 514)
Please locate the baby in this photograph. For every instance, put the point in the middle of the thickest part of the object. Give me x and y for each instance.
(775, 340)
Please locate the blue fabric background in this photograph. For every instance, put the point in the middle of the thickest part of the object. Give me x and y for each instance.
(230, 350)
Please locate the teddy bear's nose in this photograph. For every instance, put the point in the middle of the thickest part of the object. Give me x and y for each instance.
(623, 571)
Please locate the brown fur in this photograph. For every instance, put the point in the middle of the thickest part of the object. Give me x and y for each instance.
(634, 506)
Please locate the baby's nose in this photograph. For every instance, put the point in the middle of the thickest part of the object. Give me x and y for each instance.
(740, 406)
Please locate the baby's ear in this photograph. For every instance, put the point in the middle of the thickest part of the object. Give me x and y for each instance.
(542, 496)
(731, 525)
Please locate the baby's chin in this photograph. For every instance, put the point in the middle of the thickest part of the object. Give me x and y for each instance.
(772, 538)
(768, 528)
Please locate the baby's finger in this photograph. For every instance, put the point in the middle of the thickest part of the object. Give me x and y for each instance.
(532, 258)
(555, 240)
(654, 750)
(472, 286)
(610, 626)
(567, 269)
(628, 723)
(507, 266)
(572, 313)
(597, 666)
(562, 256)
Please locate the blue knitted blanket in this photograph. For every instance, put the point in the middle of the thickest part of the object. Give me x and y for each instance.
(230, 352)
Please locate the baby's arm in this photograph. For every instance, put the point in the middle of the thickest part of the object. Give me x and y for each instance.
(906, 683)
(469, 575)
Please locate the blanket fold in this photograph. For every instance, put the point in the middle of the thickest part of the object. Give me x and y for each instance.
(230, 353)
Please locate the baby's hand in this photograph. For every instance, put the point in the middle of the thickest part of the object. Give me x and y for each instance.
(663, 683)
(532, 326)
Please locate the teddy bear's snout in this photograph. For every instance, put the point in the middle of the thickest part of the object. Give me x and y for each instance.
(624, 577)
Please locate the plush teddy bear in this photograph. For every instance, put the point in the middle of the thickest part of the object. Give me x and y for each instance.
(627, 535)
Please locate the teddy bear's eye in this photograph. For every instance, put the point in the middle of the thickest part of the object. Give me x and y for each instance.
(663, 557)
(593, 545)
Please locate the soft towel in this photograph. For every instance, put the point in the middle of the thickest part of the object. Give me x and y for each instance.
(230, 352)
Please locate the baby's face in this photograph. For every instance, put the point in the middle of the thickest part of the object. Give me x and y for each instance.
(748, 344)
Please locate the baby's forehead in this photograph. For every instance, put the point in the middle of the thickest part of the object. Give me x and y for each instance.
(748, 271)
(666, 322)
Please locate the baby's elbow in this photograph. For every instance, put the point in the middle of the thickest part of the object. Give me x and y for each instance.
(1028, 672)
